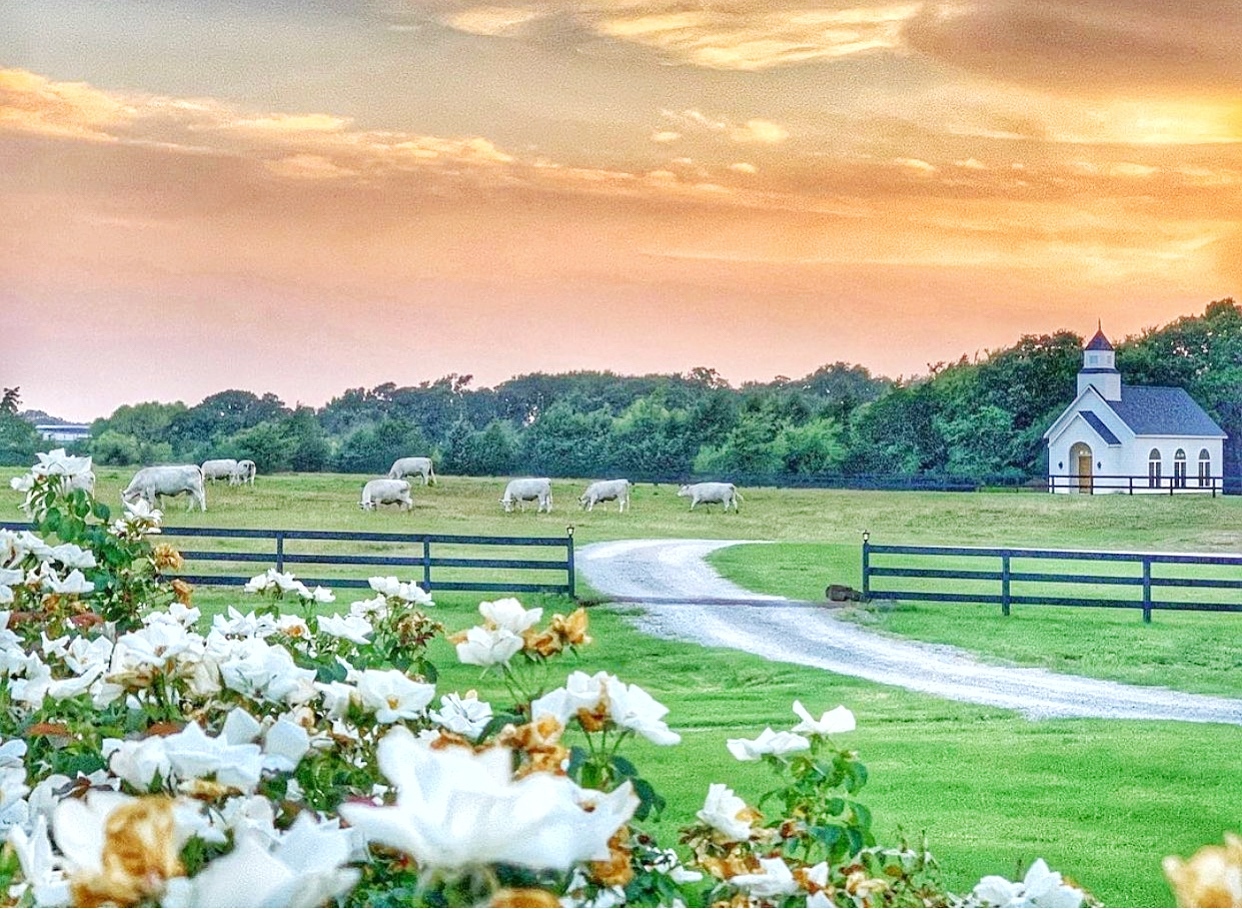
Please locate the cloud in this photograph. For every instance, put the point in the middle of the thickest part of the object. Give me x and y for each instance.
(665, 135)
(745, 35)
(694, 119)
(34, 104)
(1130, 48)
(743, 167)
(756, 130)
(298, 145)
(763, 131)
(309, 167)
(915, 164)
(492, 20)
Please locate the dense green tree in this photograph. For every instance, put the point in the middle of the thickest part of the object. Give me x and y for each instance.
(564, 442)
(372, 449)
(19, 442)
(648, 441)
(221, 415)
(492, 452)
(897, 434)
(813, 448)
(267, 445)
(980, 442)
(119, 449)
(309, 448)
(146, 422)
(747, 449)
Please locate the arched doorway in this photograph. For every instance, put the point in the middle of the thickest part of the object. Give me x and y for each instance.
(1081, 467)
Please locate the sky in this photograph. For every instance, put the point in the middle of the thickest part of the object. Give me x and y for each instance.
(303, 196)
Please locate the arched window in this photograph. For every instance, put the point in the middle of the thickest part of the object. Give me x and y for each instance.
(1153, 469)
(1205, 468)
(1179, 469)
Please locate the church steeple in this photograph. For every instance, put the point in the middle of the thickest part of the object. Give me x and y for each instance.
(1099, 368)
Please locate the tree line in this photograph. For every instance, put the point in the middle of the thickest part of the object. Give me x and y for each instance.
(979, 420)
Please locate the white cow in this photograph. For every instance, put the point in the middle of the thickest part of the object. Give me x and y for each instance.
(607, 491)
(527, 490)
(219, 469)
(386, 491)
(707, 493)
(243, 474)
(150, 483)
(406, 467)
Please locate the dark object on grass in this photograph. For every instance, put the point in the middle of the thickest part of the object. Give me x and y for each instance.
(841, 593)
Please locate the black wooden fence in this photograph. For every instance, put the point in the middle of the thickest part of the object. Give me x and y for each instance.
(428, 555)
(1131, 484)
(1075, 584)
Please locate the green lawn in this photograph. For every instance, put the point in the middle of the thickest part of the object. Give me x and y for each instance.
(1103, 801)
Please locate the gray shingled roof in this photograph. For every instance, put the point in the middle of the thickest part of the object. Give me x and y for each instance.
(1098, 425)
(1099, 342)
(1154, 411)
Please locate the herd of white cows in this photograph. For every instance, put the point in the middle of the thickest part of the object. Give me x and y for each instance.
(152, 484)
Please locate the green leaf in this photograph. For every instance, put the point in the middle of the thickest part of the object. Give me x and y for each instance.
(577, 758)
(624, 767)
(648, 799)
(828, 834)
(856, 776)
(102, 512)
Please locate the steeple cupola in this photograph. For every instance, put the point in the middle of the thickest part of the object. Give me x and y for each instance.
(1099, 368)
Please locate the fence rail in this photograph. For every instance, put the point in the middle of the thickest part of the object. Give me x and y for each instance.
(401, 550)
(1142, 484)
(1070, 577)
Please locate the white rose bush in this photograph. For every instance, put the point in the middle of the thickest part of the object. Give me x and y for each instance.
(288, 755)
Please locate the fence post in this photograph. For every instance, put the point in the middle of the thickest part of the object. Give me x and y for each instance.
(866, 566)
(1005, 583)
(280, 550)
(427, 565)
(1147, 589)
(569, 557)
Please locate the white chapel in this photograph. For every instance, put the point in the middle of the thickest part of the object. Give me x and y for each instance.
(1119, 438)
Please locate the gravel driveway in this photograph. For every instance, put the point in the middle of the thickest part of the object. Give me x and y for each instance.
(676, 588)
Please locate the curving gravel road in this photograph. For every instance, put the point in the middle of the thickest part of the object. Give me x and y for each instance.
(684, 598)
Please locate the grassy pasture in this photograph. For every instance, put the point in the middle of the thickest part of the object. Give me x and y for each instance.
(1103, 801)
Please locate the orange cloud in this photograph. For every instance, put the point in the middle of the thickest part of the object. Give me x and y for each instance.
(745, 35)
(32, 103)
(1127, 48)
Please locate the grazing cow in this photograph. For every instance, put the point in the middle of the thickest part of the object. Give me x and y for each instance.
(527, 490)
(707, 493)
(243, 474)
(386, 491)
(151, 483)
(219, 469)
(607, 491)
(407, 467)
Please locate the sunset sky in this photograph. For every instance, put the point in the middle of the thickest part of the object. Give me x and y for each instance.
(304, 196)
